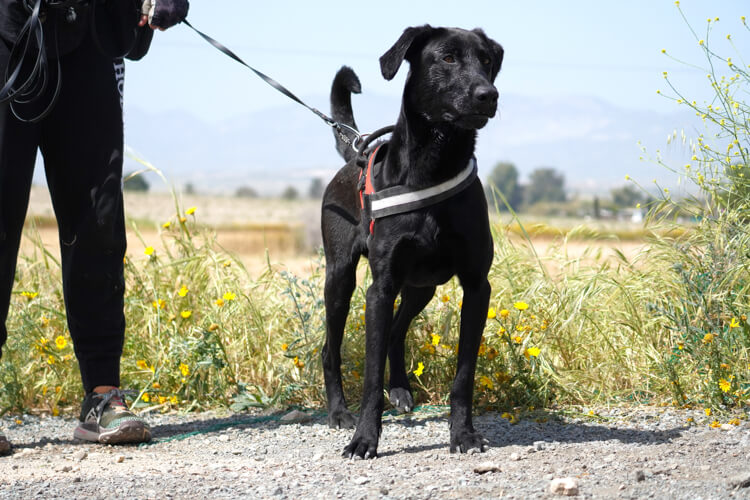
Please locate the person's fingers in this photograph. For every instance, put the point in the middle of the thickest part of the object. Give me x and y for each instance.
(143, 21)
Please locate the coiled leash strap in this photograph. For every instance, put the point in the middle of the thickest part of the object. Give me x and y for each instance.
(273, 83)
(33, 87)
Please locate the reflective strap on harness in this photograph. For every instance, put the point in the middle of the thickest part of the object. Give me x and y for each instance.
(400, 199)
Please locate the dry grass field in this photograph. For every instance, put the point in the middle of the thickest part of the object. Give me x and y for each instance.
(283, 233)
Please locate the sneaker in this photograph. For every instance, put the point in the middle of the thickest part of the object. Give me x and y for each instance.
(105, 418)
(4, 446)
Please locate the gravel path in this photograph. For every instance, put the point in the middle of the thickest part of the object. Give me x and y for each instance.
(639, 452)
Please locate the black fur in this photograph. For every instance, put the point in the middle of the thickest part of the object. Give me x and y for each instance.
(449, 95)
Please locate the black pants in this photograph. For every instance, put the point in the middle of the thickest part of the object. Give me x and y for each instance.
(82, 143)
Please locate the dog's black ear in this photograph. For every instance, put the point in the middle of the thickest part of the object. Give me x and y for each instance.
(496, 51)
(391, 60)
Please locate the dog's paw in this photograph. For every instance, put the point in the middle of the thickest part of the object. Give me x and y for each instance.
(361, 448)
(343, 419)
(401, 398)
(466, 440)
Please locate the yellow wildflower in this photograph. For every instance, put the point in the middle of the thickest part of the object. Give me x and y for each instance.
(186, 314)
(491, 313)
(184, 369)
(159, 304)
(162, 400)
(734, 421)
(60, 342)
(708, 338)
(183, 291)
(29, 295)
(190, 211)
(504, 313)
(533, 351)
(485, 381)
(229, 296)
(707, 411)
(284, 346)
(141, 363)
(445, 298)
(146, 398)
(149, 250)
(166, 225)
(734, 323)
(219, 302)
(715, 424)
(521, 306)
(420, 369)
(725, 385)
(51, 360)
(435, 339)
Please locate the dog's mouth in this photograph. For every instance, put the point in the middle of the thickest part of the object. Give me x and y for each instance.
(473, 121)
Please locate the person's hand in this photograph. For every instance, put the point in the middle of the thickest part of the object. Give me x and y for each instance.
(163, 14)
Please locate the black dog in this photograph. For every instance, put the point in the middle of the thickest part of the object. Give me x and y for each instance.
(449, 95)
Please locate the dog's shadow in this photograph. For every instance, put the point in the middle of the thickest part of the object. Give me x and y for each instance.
(500, 433)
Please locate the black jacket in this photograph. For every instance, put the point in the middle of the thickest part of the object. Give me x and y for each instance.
(113, 25)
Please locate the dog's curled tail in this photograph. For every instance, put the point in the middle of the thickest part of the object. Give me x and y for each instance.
(344, 85)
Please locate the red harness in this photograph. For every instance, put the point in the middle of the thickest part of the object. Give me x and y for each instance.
(368, 188)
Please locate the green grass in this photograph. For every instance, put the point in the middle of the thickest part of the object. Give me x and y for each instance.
(202, 333)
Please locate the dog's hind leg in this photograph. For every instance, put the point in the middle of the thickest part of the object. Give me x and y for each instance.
(339, 286)
(413, 300)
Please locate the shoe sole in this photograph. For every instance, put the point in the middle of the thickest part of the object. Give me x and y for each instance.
(128, 432)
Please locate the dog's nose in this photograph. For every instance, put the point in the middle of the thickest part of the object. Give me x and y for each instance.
(486, 94)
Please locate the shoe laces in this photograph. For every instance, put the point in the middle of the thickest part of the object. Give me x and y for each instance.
(112, 397)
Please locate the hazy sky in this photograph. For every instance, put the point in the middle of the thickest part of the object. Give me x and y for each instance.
(600, 48)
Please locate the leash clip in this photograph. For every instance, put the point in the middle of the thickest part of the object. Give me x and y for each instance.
(357, 135)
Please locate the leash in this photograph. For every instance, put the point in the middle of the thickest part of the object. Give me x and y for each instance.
(273, 83)
(32, 88)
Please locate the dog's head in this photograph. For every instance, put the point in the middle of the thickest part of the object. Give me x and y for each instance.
(451, 74)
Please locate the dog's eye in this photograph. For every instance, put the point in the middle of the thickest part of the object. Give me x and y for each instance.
(486, 61)
(449, 59)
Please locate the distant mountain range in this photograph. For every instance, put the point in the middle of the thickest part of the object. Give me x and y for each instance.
(594, 143)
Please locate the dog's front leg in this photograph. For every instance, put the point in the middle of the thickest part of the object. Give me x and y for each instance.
(473, 319)
(378, 318)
